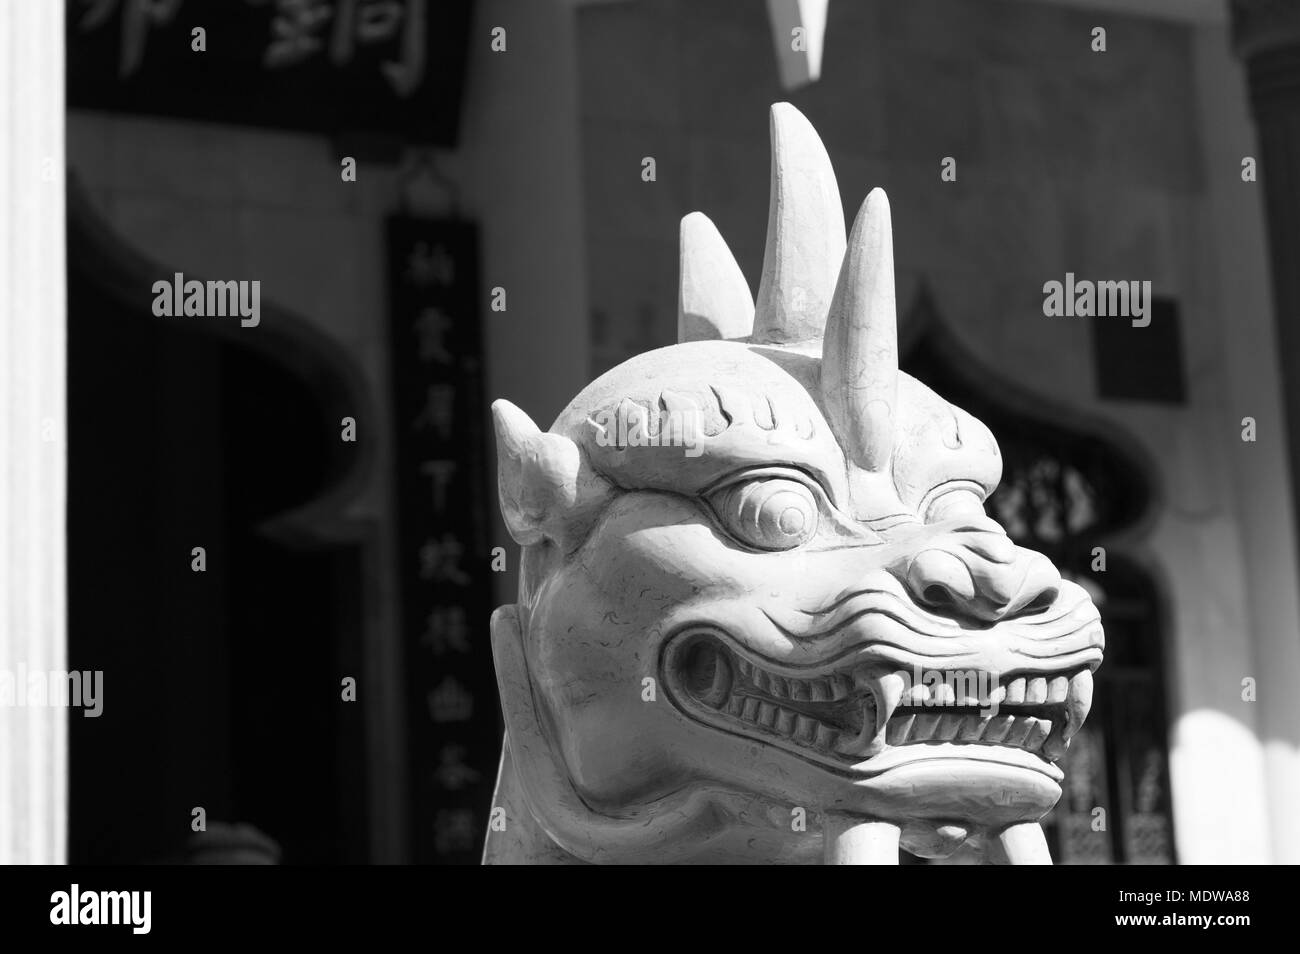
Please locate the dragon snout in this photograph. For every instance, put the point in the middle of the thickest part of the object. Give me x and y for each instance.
(980, 574)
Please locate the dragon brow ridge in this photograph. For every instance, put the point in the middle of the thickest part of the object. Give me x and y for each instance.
(716, 411)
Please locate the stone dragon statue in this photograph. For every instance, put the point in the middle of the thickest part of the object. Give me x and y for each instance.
(740, 553)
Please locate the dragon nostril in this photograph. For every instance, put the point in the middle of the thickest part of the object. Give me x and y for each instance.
(1042, 601)
(939, 578)
(936, 595)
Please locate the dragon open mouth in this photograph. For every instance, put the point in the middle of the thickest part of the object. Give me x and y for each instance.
(855, 711)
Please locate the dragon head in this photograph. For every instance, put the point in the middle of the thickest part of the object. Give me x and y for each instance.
(758, 584)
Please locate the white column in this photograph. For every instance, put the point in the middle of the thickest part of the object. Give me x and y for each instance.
(1266, 37)
(33, 449)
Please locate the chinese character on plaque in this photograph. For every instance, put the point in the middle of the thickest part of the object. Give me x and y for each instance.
(431, 329)
(428, 265)
(452, 773)
(297, 30)
(446, 630)
(450, 702)
(439, 410)
(454, 830)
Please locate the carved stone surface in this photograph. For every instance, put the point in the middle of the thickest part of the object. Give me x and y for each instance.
(762, 614)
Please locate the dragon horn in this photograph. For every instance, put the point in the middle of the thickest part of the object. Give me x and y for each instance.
(805, 234)
(713, 298)
(860, 351)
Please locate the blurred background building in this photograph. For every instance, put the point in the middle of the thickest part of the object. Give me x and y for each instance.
(500, 240)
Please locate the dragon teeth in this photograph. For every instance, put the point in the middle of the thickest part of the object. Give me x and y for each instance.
(923, 728)
(805, 728)
(1036, 691)
(1016, 691)
(947, 728)
(889, 691)
(998, 728)
(1018, 732)
(971, 728)
(840, 687)
(1078, 702)
(898, 730)
(1057, 688)
(1054, 746)
(1037, 734)
(1028, 732)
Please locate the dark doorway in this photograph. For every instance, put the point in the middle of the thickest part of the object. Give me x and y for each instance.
(221, 687)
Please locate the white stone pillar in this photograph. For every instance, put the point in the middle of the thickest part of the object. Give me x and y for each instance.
(33, 448)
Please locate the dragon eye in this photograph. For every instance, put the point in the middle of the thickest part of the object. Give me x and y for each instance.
(767, 513)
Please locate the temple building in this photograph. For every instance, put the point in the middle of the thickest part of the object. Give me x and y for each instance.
(271, 522)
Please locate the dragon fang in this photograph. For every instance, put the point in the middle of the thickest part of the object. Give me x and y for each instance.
(825, 539)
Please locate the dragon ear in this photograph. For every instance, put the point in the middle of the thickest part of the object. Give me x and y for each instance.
(537, 476)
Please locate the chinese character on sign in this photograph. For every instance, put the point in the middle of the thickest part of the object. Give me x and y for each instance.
(438, 410)
(450, 702)
(430, 328)
(425, 266)
(296, 31)
(454, 830)
(98, 12)
(440, 473)
(452, 773)
(137, 17)
(446, 630)
(440, 561)
(378, 21)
